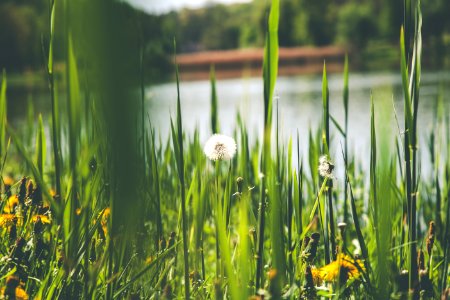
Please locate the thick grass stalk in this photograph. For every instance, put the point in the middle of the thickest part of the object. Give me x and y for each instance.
(411, 85)
(40, 147)
(214, 105)
(329, 236)
(407, 156)
(157, 184)
(345, 100)
(414, 91)
(373, 173)
(270, 70)
(261, 231)
(290, 211)
(73, 89)
(54, 102)
(299, 188)
(216, 203)
(224, 245)
(178, 144)
(245, 258)
(381, 180)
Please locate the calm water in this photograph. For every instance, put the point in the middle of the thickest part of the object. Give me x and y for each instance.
(299, 105)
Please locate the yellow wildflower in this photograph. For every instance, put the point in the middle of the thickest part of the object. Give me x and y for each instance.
(52, 192)
(317, 276)
(21, 294)
(11, 203)
(8, 180)
(7, 220)
(106, 212)
(13, 289)
(343, 268)
(44, 219)
(104, 221)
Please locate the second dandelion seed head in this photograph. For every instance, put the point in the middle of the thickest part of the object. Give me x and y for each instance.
(326, 167)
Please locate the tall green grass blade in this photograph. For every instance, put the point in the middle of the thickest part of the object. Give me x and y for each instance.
(52, 36)
(316, 202)
(373, 171)
(41, 147)
(329, 226)
(270, 63)
(225, 253)
(156, 182)
(326, 112)
(345, 97)
(178, 143)
(261, 235)
(73, 112)
(338, 127)
(214, 105)
(313, 160)
(54, 101)
(245, 258)
(405, 84)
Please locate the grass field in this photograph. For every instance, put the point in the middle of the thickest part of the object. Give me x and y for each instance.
(100, 207)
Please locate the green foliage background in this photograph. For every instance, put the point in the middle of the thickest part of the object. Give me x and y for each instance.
(360, 26)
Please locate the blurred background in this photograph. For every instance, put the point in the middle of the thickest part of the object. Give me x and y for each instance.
(367, 29)
(229, 34)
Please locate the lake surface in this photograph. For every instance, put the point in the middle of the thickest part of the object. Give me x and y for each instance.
(299, 102)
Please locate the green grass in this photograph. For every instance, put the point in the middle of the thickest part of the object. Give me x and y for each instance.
(133, 216)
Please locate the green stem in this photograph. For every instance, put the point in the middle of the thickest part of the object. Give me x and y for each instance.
(261, 225)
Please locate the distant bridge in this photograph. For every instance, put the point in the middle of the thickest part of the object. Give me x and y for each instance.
(248, 62)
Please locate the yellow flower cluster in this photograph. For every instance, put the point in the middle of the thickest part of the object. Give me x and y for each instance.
(21, 294)
(344, 268)
(44, 219)
(13, 289)
(10, 204)
(104, 221)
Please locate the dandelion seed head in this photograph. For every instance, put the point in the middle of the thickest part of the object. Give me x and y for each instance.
(326, 167)
(342, 225)
(220, 147)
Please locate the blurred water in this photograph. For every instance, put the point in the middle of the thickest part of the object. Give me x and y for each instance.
(299, 103)
(300, 106)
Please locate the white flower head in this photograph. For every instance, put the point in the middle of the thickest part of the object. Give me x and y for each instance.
(220, 147)
(326, 167)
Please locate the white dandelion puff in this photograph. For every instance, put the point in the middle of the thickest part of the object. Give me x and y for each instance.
(325, 167)
(220, 147)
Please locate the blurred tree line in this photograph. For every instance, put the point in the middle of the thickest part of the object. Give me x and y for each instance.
(362, 26)
(22, 23)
